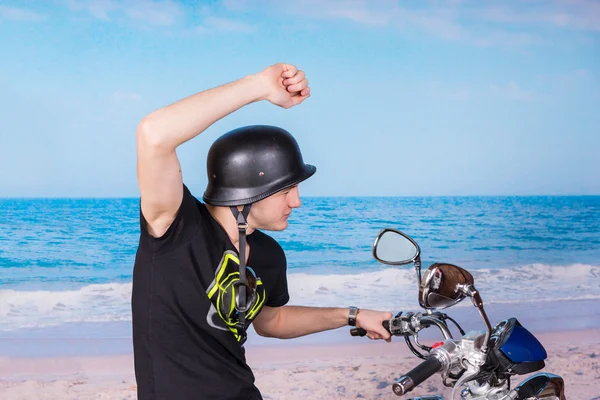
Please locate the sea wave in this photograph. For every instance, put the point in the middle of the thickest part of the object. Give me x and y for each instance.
(396, 289)
(387, 289)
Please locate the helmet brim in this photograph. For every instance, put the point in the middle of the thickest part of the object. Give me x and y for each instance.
(309, 170)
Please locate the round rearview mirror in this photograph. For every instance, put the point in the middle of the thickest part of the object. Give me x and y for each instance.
(442, 284)
(395, 248)
(542, 386)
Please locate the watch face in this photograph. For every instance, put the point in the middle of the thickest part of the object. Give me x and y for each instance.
(352, 316)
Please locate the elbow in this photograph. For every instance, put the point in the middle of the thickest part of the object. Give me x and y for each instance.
(273, 332)
(262, 332)
(149, 136)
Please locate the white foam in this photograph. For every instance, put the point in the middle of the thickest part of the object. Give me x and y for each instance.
(395, 289)
(92, 303)
(375, 289)
(385, 289)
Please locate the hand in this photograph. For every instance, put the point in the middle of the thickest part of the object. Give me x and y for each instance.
(371, 321)
(286, 85)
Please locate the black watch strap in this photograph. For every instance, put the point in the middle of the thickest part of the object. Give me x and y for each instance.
(353, 312)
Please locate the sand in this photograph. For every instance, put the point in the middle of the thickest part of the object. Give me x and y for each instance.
(362, 370)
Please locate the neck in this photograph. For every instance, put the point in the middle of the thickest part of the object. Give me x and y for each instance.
(225, 218)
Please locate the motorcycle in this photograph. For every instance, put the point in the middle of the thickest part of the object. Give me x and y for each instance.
(482, 363)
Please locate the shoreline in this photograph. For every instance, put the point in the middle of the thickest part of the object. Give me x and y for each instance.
(79, 362)
(114, 338)
(265, 356)
(366, 368)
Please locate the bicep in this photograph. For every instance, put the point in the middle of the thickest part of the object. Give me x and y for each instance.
(160, 182)
(266, 320)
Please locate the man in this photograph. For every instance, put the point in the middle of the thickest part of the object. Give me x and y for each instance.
(204, 271)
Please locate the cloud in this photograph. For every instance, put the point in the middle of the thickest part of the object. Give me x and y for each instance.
(571, 14)
(442, 91)
(579, 75)
(212, 24)
(122, 96)
(580, 80)
(236, 5)
(20, 14)
(439, 21)
(506, 39)
(512, 90)
(165, 13)
(490, 23)
(161, 13)
(514, 24)
(360, 11)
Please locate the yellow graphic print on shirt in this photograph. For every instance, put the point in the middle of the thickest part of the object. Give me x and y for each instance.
(222, 313)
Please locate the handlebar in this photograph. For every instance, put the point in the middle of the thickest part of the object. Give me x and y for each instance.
(417, 375)
(410, 323)
(426, 320)
(362, 332)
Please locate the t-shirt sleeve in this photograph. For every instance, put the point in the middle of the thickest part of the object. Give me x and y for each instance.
(279, 295)
(182, 229)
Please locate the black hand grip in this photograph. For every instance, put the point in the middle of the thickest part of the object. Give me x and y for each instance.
(424, 370)
(358, 332)
(362, 332)
(386, 325)
(416, 376)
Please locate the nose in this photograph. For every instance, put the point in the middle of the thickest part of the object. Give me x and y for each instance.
(294, 198)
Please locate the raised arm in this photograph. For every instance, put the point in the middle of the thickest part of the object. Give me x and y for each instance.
(162, 131)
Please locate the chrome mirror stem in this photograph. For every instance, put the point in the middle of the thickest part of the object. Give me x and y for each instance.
(418, 269)
(470, 291)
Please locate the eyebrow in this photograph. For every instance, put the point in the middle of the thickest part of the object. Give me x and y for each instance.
(288, 189)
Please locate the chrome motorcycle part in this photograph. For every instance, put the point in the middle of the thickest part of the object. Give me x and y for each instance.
(393, 247)
(440, 285)
(542, 386)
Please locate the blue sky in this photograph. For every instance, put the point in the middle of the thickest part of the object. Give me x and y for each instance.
(408, 98)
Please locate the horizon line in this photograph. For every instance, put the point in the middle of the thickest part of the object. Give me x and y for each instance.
(305, 197)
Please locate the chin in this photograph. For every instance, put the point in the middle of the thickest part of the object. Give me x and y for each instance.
(279, 227)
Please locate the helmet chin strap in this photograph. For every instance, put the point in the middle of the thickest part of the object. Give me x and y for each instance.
(242, 222)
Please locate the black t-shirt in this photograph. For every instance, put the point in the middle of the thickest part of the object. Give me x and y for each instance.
(185, 342)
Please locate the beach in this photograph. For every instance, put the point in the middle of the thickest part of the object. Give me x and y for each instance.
(467, 126)
(65, 292)
(362, 370)
(58, 365)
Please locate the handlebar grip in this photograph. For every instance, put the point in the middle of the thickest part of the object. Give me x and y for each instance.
(362, 332)
(386, 325)
(417, 375)
(358, 332)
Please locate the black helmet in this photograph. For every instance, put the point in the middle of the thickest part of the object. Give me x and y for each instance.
(251, 163)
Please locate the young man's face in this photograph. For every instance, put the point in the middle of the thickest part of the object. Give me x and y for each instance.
(272, 213)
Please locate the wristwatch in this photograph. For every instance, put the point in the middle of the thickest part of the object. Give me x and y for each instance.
(352, 316)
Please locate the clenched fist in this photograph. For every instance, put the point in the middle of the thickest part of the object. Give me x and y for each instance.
(286, 85)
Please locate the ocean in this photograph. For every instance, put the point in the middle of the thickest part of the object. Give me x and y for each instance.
(66, 264)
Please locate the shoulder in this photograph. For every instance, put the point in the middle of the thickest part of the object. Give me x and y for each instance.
(266, 243)
(191, 205)
(261, 238)
(187, 195)
(186, 224)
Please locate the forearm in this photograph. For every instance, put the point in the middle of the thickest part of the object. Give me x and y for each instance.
(179, 122)
(296, 321)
